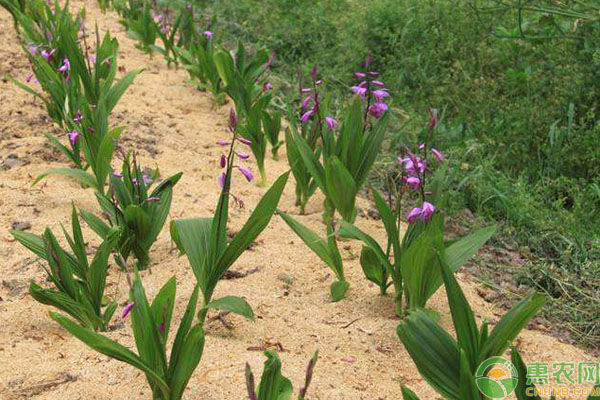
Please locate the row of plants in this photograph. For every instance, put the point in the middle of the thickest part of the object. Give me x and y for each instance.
(331, 142)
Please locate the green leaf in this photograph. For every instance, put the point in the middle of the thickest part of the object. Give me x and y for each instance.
(522, 385)
(257, 222)
(338, 290)
(372, 267)
(458, 253)
(511, 324)
(187, 362)
(97, 225)
(341, 188)
(273, 386)
(467, 333)
(182, 331)
(434, 352)
(114, 94)
(33, 242)
(65, 303)
(193, 238)
(318, 245)
(408, 394)
(85, 179)
(112, 349)
(233, 304)
(162, 306)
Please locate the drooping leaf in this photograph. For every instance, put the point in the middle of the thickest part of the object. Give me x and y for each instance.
(233, 304)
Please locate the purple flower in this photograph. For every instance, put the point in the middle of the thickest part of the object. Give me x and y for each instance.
(77, 117)
(244, 141)
(161, 328)
(65, 66)
(32, 49)
(305, 90)
(359, 75)
(146, 179)
(47, 55)
(267, 86)
(233, 121)
(305, 102)
(221, 180)
(428, 210)
(222, 142)
(331, 123)
(359, 90)
(246, 172)
(313, 72)
(243, 156)
(223, 161)
(413, 165)
(414, 215)
(208, 35)
(73, 135)
(319, 82)
(378, 83)
(165, 29)
(127, 309)
(29, 78)
(380, 94)
(159, 18)
(438, 155)
(378, 109)
(413, 182)
(373, 73)
(153, 198)
(306, 116)
(117, 175)
(433, 119)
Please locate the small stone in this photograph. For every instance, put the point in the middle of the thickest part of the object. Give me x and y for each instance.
(21, 225)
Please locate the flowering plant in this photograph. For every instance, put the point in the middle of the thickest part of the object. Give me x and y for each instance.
(449, 365)
(413, 269)
(78, 285)
(198, 58)
(167, 376)
(80, 95)
(204, 240)
(243, 77)
(273, 385)
(139, 213)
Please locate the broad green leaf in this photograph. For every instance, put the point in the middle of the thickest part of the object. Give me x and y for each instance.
(458, 253)
(273, 386)
(182, 331)
(162, 307)
(80, 176)
(257, 222)
(372, 267)
(97, 225)
(467, 333)
(65, 303)
(434, 352)
(188, 360)
(408, 394)
(341, 188)
(338, 290)
(509, 326)
(233, 304)
(112, 349)
(33, 242)
(193, 238)
(468, 388)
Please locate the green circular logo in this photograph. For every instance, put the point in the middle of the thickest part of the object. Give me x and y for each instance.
(496, 378)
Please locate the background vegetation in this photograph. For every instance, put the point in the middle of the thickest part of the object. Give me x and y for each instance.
(517, 89)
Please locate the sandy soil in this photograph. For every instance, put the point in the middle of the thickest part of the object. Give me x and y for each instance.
(176, 127)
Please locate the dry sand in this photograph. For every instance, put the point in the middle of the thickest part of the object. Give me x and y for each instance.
(176, 127)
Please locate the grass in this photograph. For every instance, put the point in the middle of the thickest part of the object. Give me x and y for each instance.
(518, 94)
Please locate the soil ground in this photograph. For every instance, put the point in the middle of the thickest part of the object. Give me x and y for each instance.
(174, 126)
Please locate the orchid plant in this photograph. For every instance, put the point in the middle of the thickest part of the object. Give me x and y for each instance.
(342, 166)
(138, 212)
(204, 240)
(78, 285)
(167, 375)
(411, 261)
(198, 58)
(273, 385)
(80, 95)
(449, 364)
(243, 76)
